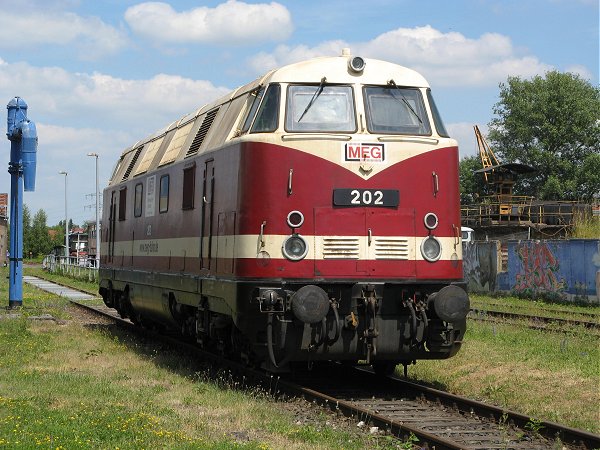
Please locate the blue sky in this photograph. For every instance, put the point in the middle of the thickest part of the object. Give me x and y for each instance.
(100, 75)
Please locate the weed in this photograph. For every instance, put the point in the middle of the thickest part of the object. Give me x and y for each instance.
(534, 425)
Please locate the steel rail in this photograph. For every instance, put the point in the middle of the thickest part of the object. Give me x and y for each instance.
(397, 426)
(545, 319)
(491, 304)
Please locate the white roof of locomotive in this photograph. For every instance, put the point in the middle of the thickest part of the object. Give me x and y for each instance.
(335, 69)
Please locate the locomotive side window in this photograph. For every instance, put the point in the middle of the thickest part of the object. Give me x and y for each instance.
(396, 110)
(122, 203)
(268, 115)
(322, 108)
(437, 118)
(189, 183)
(163, 202)
(257, 97)
(137, 201)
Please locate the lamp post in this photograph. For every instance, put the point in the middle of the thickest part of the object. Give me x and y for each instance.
(62, 172)
(97, 208)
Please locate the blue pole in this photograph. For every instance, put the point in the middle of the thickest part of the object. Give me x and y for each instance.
(22, 166)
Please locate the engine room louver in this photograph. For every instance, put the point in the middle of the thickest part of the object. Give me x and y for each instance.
(340, 248)
(391, 248)
(132, 163)
(202, 132)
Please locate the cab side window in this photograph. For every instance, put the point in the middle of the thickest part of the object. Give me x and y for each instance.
(163, 204)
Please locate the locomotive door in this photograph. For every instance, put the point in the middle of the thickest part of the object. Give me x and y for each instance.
(365, 242)
(111, 226)
(206, 233)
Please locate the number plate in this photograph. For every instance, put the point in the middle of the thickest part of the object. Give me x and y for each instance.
(366, 197)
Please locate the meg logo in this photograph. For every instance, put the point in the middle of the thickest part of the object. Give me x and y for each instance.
(354, 151)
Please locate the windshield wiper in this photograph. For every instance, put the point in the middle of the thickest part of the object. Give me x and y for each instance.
(393, 83)
(314, 97)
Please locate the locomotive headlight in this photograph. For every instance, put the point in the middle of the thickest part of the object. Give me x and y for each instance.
(356, 64)
(295, 219)
(431, 249)
(431, 221)
(294, 247)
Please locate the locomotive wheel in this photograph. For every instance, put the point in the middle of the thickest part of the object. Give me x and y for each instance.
(384, 368)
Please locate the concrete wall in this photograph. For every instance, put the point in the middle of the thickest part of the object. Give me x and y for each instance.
(564, 269)
(481, 264)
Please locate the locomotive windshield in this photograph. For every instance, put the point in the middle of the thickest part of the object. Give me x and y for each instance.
(396, 110)
(320, 108)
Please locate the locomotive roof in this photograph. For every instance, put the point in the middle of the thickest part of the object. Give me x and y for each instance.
(335, 69)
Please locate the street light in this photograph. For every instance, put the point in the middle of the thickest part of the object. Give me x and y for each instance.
(62, 172)
(97, 208)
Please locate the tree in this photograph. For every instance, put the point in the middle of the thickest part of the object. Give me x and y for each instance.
(472, 185)
(40, 242)
(552, 124)
(26, 230)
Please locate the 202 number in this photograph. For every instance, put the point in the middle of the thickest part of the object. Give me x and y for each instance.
(366, 198)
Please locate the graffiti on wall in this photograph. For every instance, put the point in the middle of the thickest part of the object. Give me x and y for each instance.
(540, 270)
(596, 261)
(480, 266)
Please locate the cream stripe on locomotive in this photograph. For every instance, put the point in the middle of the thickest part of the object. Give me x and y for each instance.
(320, 247)
(337, 148)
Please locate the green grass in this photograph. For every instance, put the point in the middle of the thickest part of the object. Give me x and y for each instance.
(72, 385)
(547, 375)
(585, 227)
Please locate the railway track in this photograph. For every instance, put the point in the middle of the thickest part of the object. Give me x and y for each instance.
(500, 305)
(409, 411)
(536, 320)
(406, 410)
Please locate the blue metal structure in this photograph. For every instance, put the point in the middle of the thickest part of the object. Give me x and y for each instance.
(23, 147)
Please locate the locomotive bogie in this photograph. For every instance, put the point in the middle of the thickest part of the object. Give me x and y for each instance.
(310, 215)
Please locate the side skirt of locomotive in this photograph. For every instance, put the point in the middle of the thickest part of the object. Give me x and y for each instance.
(273, 324)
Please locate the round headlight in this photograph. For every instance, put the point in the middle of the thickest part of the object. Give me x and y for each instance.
(431, 221)
(356, 64)
(294, 247)
(431, 249)
(295, 219)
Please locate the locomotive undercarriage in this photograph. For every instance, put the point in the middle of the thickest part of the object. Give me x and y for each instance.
(273, 326)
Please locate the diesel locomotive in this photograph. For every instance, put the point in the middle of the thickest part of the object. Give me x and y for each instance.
(310, 215)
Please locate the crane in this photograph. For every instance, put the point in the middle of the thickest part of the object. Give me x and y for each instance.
(488, 159)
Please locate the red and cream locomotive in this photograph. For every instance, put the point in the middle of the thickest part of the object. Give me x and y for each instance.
(312, 214)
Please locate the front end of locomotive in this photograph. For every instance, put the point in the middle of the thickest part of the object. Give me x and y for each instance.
(351, 219)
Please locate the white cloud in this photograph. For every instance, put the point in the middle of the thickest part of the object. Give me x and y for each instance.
(89, 35)
(580, 70)
(232, 22)
(85, 98)
(465, 135)
(77, 113)
(445, 59)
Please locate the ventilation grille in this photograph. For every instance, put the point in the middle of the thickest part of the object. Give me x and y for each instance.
(202, 132)
(391, 248)
(132, 163)
(340, 248)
